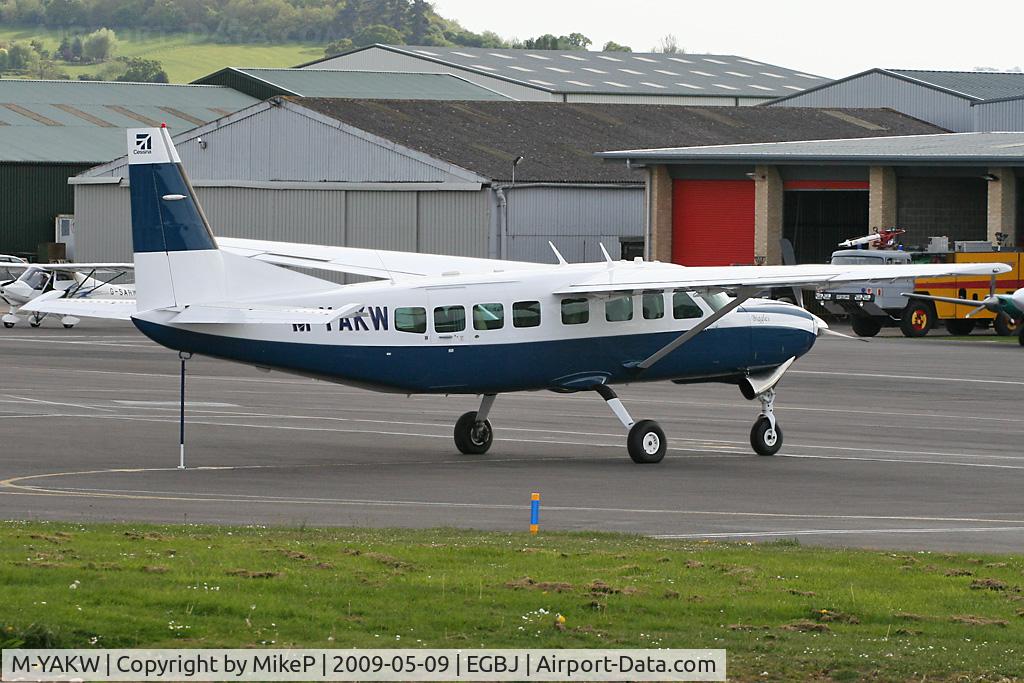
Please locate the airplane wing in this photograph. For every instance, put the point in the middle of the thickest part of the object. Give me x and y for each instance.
(112, 309)
(629, 277)
(71, 267)
(388, 265)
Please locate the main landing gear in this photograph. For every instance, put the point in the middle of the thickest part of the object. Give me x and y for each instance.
(646, 441)
(473, 434)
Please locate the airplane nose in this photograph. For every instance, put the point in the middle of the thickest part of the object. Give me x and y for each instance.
(1018, 299)
(819, 324)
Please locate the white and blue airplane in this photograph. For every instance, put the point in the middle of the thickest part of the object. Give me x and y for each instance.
(449, 325)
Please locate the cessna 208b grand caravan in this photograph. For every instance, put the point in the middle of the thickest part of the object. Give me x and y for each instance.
(450, 325)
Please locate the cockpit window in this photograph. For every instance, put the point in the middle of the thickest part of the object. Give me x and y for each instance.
(488, 317)
(654, 305)
(683, 306)
(34, 278)
(526, 313)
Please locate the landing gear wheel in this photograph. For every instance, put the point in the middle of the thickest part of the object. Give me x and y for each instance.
(918, 318)
(959, 326)
(35, 323)
(865, 327)
(472, 437)
(646, 442)
(1004, 325)
(764, 439)
(67, 327)
(8, 325)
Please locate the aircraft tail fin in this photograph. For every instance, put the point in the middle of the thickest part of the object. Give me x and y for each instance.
(177, 259)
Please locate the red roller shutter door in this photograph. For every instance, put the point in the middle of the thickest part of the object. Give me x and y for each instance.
(713, 222)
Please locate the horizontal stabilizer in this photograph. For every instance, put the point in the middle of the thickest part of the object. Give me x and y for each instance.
(238, 314)
(110, 309)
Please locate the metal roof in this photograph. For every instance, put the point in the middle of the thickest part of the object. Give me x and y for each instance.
(965, 149)
(618, 72)
(978, 85)
(84, 121)
(385, 85)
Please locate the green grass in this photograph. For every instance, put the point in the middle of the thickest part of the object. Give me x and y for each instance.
(185, 57)
(792, 611)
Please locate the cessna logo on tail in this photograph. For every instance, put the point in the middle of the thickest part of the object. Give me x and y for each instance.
(143, 143)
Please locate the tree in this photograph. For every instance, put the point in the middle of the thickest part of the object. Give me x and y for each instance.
(576, 41)
(419, 22)
(336, 47)
(377, 33)
(548, 41)
(76, 49)
(3, 59)
(669, 45)
(99, 45)
(611, 46)
(21, 56)
(143, 71)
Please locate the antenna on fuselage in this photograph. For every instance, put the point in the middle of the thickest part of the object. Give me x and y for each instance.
(607, 256)
(384, 266)
(561, 259)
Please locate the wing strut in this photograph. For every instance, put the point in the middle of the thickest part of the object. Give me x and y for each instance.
(742, 295)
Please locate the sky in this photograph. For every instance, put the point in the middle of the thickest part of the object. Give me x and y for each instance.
(825, 38)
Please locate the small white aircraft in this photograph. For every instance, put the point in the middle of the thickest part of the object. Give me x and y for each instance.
(450, 325)
(70, 280)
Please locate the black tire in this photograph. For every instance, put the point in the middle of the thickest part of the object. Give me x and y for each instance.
(761, 440)
(646, 442)
(959, 326)
(918, 318)
(35, 323)
(1004, 325)
(67, 327)
(864, 326)
(471, 438)
(1020, 336)
(8, 325)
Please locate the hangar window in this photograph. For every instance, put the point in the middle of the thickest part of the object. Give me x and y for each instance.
(526, 313)
(575, 311)
(488, 317)
(618, 309)
(411, 319)
(654, 305)
(449, 319)
(684, 307)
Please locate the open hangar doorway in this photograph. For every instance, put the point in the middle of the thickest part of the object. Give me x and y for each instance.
(818, 215)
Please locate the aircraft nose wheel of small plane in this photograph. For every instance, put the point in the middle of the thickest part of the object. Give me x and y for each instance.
(646, 442)
(35, 322)
(766, 434)
(8, 325)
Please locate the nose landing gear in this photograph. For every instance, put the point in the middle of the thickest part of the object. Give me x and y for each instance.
(766, 435)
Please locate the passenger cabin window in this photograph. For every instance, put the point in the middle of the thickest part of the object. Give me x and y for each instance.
(684, 307)
(575, 311)
(411, 319)
(654, 305)
(526, 314)
(488, 317)
(449, 319)
(618, 309)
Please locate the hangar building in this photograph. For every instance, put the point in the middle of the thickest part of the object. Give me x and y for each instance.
(583, 76)
(959, 101)
(51, 130)
(722, 204)
(441, 176)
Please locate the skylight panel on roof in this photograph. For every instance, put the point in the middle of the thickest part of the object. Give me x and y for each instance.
(427, 52)
(500, 56)
(645, 59)
(769, 73)
(738, 73)
(793, 87)
(701, 73)
(585, 85)
(596, 71)
(575, 57)
(483, 66)
(540, 82)
(530, 54)
(559, 70)
(617, 85)
(652, 85)
(631, 71)
(463, 54)
(760, 87)
(714, 61)
(747, 61)
(520, 68)
(816, 78)
(691, 86)
(723, 85)
(680, 59)
(666, 72)
(610, 59)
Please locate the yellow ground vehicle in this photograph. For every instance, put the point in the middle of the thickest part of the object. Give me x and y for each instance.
(954, 316)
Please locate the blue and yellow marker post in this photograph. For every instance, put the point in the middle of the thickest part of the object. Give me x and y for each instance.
(534, 512)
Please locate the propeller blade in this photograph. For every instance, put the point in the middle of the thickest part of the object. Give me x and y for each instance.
(979, 309)
(832, 333)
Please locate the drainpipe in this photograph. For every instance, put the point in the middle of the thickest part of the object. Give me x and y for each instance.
(502, 214)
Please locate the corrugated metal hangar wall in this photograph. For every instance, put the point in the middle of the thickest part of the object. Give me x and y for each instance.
(280, 171)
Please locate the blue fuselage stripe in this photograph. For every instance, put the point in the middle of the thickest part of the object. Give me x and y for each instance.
(485, 368)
